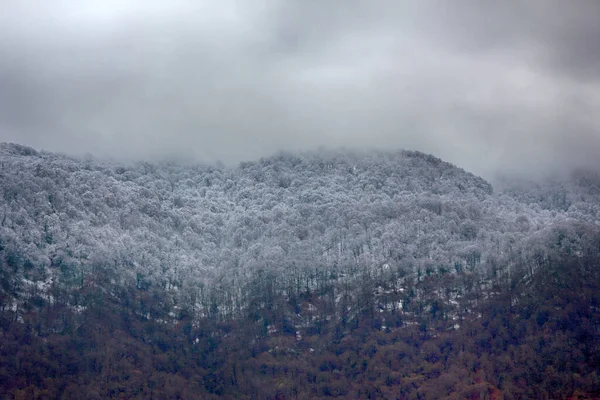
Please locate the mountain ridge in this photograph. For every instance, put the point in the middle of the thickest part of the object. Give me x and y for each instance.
(319, 246)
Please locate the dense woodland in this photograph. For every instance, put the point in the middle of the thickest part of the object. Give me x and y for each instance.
(324, 274)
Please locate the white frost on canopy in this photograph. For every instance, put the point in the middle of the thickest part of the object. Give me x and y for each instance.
(290, 217)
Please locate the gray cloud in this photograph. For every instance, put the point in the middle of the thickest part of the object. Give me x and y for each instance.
(483, 84)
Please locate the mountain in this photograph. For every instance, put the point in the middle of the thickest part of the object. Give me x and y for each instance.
(331, 273)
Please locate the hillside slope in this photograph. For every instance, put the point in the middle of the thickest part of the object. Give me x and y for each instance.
(296, 254)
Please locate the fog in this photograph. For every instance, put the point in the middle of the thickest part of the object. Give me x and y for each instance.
(511, 86)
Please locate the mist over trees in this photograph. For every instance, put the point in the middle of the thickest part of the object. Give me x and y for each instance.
(333, 273)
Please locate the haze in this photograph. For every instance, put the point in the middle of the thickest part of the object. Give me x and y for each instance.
(487, 85)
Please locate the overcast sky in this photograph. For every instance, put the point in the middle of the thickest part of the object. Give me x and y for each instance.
(483, 84)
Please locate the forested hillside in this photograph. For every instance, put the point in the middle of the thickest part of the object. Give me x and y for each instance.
(360, 275)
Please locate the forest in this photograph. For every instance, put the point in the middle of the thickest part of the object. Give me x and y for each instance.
(365, 275)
